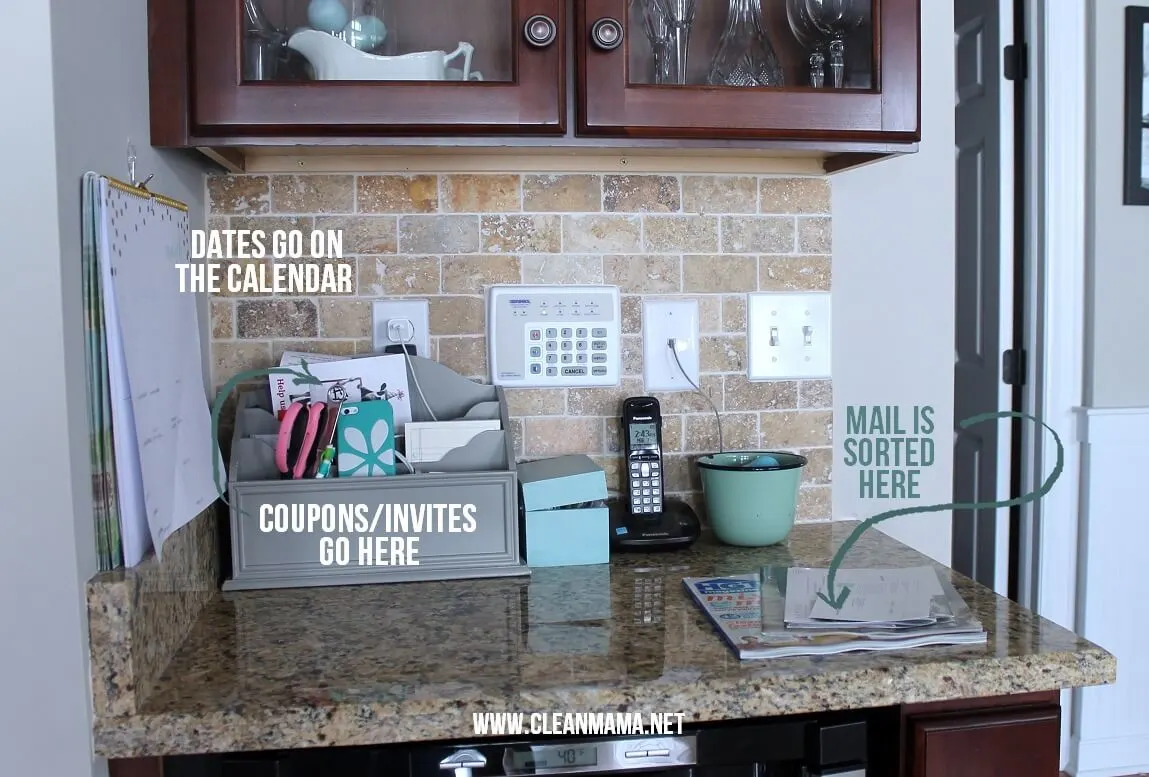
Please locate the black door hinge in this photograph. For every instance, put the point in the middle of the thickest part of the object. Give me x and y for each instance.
(1015, 63)
(1013, 367)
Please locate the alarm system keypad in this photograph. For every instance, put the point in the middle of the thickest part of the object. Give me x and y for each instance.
(549, 348)
(645, 487)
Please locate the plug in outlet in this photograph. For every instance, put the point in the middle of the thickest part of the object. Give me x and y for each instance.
(395, 322)
(788, 335)
(662, 321)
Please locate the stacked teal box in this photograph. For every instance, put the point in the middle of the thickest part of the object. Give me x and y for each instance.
(567, 523)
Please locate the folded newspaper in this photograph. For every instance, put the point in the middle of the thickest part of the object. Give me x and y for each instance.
(777, 613)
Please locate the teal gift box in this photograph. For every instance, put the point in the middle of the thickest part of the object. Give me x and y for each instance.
(567, 523)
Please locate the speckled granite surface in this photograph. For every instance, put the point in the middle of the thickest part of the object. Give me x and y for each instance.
(409, 662)
(139, 617)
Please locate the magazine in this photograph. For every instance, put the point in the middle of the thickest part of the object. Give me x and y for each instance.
(749, 612)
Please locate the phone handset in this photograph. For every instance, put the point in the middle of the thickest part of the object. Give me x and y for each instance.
(642, 441)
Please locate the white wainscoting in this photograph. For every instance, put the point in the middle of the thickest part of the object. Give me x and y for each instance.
(1111, 731)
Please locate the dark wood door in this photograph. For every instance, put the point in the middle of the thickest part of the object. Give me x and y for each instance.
(521, 91)
(1013, 743)
(621, 94)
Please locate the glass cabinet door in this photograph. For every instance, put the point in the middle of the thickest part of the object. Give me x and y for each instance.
(362, 66)
(751, 68)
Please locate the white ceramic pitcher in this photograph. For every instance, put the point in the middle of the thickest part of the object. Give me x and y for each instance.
(333, 60)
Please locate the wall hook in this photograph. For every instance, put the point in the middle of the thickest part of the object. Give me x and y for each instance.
(132, 169)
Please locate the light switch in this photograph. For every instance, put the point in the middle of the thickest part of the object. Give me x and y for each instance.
(788, 335)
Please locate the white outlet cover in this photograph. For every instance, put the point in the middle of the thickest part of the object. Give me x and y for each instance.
(417, 311)
(662, 320)
(776, 334)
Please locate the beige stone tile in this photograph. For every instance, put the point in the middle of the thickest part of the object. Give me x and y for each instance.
(222, 319)
(795, 195)
(529, 234)
(641, 193)
(364, 234)
(709, 314)
(631, 354)
(528, 402)
(643, 274)
(558, 436)
(249, 268)
(680, 234)
(397, 193)
(268, 225)
(517, 437)
(690, 401)
(631, 307)
(261, 319)
(471, 274)
(815, 235)
(562, 193)
(385, 276)
(797, 428)
(739, 431)
(602, 401)
(238, 194)
(364, 345)
(743, 394)
(719, 194)
(819, 466)
(723, 353)
(562, 269)
(612, 469)
(344, 318)
(815, 394)
(719, 273)
(680, 473)
(757, 234)
(602, 234)
(794, 273)
(734, 313)
(438, 234)
(465, 355)
(313, 194)
(346, 283)
(815, 503)
(333, 347)
(468, 193)
(457, 315)
(230, 359)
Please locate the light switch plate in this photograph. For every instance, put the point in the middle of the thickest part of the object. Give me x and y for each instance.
(788, 335)
(661, 320)
(395, 321)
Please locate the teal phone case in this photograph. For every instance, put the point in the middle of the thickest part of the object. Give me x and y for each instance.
(365, 439)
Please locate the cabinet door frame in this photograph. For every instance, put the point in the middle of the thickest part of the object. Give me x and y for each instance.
(610, 105)
(221, 105)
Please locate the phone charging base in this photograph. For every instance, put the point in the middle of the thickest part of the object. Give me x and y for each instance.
(676, 527)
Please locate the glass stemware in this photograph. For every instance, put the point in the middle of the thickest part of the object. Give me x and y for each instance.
(679, 15)
(745, 55)
(658, 33)
(836, 19)
(810, 39)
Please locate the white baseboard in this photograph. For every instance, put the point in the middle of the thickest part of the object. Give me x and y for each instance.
(1112, 722)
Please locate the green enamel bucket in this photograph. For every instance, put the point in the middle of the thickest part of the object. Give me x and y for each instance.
(751, 497)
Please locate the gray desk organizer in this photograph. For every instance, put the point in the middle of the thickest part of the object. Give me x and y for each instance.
(481, 473)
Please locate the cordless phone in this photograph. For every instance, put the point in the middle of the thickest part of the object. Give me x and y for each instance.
(642, 440)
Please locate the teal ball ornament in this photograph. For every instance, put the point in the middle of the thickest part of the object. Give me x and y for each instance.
(326, 15)
(365, 32)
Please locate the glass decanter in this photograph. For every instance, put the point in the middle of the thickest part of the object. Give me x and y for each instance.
(745, 55)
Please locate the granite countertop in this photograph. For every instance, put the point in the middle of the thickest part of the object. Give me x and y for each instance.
(410, 662)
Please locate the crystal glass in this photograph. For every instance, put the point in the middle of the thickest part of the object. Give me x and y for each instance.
(836, 19)
(745, 55)
(658, 34)
(679, 15)
(810, 39)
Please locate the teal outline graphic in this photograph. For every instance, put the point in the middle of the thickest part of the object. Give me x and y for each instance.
(838, 600)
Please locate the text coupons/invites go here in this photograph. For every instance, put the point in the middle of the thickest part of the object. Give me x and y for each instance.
(366, 534)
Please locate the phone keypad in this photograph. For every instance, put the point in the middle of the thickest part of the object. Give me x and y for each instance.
(645, 487)
(648, 603)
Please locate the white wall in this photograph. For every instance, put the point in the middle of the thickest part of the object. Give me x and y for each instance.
(76, 89)
(894, 239)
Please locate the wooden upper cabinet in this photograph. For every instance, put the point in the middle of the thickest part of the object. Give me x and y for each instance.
(719, 92)
(239, 82)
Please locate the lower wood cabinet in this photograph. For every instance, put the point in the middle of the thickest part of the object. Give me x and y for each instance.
(1020, 742)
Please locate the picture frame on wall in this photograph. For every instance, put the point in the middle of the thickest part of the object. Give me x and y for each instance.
(1137, 105)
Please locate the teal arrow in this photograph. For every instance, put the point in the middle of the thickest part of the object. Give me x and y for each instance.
(837, 599)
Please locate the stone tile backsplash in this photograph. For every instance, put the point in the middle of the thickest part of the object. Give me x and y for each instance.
(447, 237)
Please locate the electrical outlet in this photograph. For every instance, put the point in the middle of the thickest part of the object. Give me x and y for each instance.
(788, 335)
(398, 322)
(663, 320)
